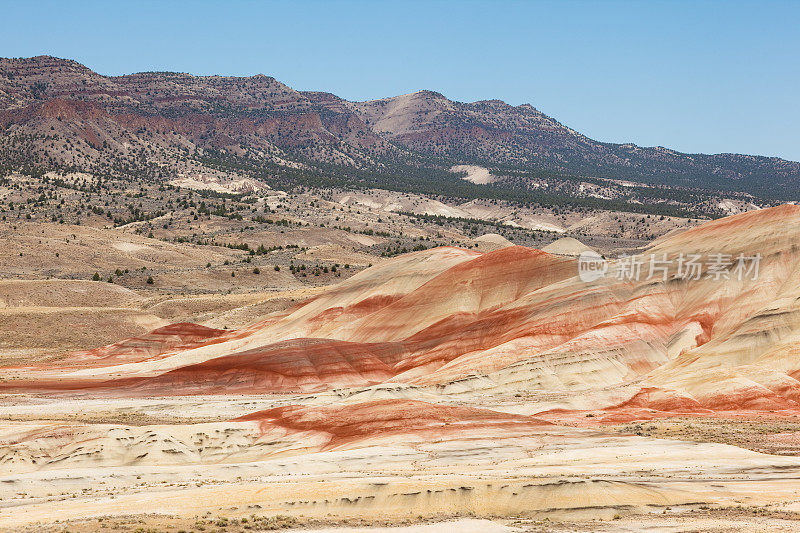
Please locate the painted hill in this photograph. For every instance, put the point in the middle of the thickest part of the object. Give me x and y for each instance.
(566, 246)
(514, 319)
(440, 382)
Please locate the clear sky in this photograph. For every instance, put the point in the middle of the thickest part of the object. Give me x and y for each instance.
(697, 76)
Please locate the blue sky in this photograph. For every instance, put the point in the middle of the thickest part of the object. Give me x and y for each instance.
(695, 76)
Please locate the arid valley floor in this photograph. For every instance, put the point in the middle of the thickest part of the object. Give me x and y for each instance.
(470, 384)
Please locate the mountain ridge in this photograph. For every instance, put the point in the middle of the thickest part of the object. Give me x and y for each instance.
(137, 124)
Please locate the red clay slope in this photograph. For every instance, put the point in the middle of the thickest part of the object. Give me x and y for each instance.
(157, 343)
(515, 319)
(438, 314)
(348, 424)
(298, 365)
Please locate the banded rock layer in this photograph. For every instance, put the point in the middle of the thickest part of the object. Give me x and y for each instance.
(511, 320)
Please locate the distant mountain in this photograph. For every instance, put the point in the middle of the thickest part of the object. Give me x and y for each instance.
(57, 114)
(495, 133)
